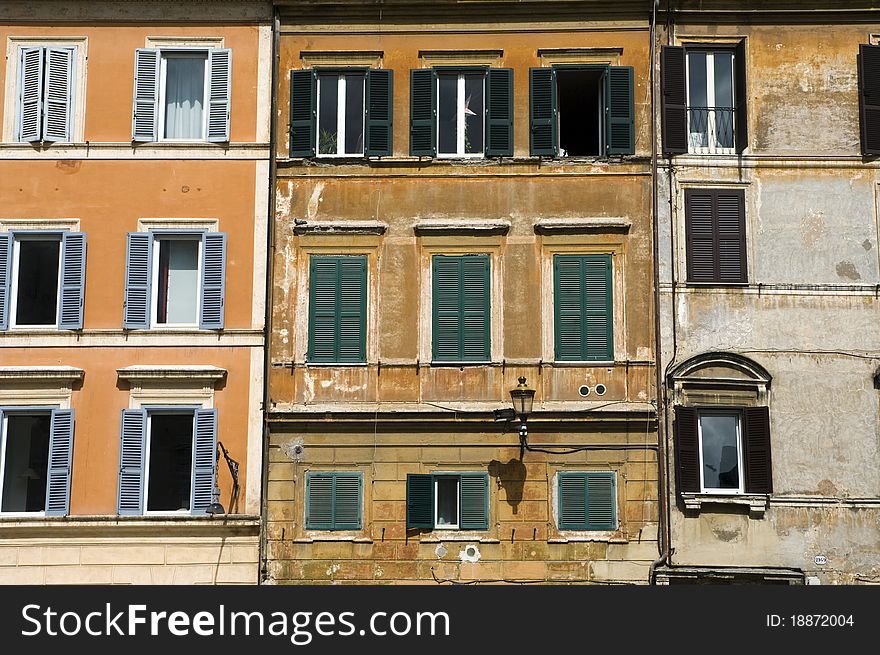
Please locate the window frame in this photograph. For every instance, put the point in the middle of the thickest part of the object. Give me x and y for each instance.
(683, 225)
(173, 235)
(711, 125)
(584, 475)
(307, 501)
(313, 258)
(151, 411)
(27, 410)
(460, 73)
(34, 235)
(342, 90)
(722, 411)
(610, 304)
(491, 340)
(602, 109)
(182, 52)
(436, 477)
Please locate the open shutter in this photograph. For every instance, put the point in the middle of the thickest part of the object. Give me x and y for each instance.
(474, 501)
(319, 501)
(60, 461)
(352, 310)
(211, 313)
(742, 95)
(423, 112)
(597, 309)
(347, 501)
(446, 323)
(568, 307)
(219, 86)
(132, 444)
(758, 464)
(542, 109)
(499, 114)
(73, 280)
(5, 278)
(145, 118)
(601, 501)
(619, 111)
(380, 110)
(303, 112)
(137, 280)
(58, 95)
(699, 207)
(204, 460)
(869, 98)
(673, 84)
(475, 308)
(572, 501)
(731, 236)
(687, 450)
(419, 501)
(30, 98)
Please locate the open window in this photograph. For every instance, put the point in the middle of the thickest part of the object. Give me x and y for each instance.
(447, 501)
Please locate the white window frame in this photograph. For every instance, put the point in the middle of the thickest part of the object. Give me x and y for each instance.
(739, 450)
(457, 478)
(341, 92)
(183, 52)
(711, 130)
(13, 300)
(184, 410)
(154, 279)
(460, 118)
(3, 438)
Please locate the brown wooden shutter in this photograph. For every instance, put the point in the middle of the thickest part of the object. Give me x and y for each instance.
(741, 118)
(730, 229)
(715, 236)
(673, 83)
(756, 433)
(700, 235)
(687, 450)
(869, 98)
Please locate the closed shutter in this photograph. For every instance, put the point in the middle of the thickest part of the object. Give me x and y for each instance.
(542, 110)
(213, 291)
(474, 501)
(60, 463)
(475, 308)
(460, 303)
(601, 501)
(568, 310)
(347, 501)
(319, 501)
(58, 95)
(219, 92)
(619, 111)
(132, 444)
(137, 280)
(380, 112)
(731, 236)
(758, 463)
(446, 299)
(700, 235)
(499, 112)
(337, 309)
(204, 459)
(715, 227)
(572, 501)
(598, 333)
(30, 94)
(583, 308)
(673, 98)
(303, 112)
(323, 283)
(73, 280)
(423, 113)
(687, 450)
(5, 277)
(145, 115)
(742, 97)
(419, 501)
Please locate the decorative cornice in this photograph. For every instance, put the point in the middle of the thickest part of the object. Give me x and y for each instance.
(579, 225)
(141, 374)
(55, 374)
(474, 226)
(341, 227)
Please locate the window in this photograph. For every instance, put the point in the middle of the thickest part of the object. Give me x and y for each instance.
(461, 112)
(460, 308)
(334, 501)
(42, 279)
(341, 112)
(175, 279)
(587, 501)
(869, 98)
(585, 111)
(715, 236)
(44, 94)
(182, 94)
(36, 447)
(583, 316)
(704, 99)
(167, 460)
(447, 501)
(720, 451)
(337, 309)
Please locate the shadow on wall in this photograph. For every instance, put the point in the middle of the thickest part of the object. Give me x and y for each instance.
(512, 477)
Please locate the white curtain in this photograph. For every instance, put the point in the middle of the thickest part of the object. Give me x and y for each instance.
(184, 97)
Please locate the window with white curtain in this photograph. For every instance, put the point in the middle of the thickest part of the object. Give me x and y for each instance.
(182, 95)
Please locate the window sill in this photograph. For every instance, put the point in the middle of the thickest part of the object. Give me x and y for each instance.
(437, 537)
(332, 537)
(334, 364)
(462, 364)
(709, 285)
(581, 364)
(605, 536)
(757, 503)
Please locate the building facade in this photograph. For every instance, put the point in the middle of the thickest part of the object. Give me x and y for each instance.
(463, 199)
(767, 215)
(134, 173)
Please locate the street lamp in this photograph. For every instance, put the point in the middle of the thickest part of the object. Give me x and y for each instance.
(522, 396)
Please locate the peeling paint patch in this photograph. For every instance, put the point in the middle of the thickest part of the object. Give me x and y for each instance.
(813, 225)
(848, 270)
(867, 245)
(471, 553)
(314, 199)
(727, 535)
(440, 551)
(827, 488)
(333, 568)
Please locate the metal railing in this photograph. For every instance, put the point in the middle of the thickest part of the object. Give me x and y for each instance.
(711, 130)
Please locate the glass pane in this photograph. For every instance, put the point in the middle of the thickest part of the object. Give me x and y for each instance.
(447, 502)
(184, 97)
(447, 114)
(720, 458)
(178, 281)
(697, 79)
(473, 113)
(723, 79)
(354, 114)
(171, 437)
(328, 101)
(37, 297)
(27, 461)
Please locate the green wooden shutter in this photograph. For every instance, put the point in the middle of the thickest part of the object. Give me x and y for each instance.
(542, 108)
(583, 308)
(598, 314)
(460, 307)
(334, 501)
(423, 112)
(419, 501)
(619, 111)
(303, 112)
(474, 501)
(572, 497)
(445, 301)
(380, 110)
(568, 315)
(475, 308)
(347, 501)
(319, 501)
(499, 114)
(337, 309)
(601, 501)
